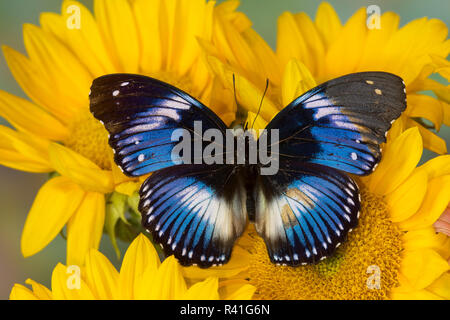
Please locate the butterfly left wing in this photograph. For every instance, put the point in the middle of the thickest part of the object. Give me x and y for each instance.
(305, 211)
(141, 114)
(196, 212)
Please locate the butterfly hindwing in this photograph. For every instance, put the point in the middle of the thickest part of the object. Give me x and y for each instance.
(342, 122)
(305, 211)
(141, 114)
(195, 212)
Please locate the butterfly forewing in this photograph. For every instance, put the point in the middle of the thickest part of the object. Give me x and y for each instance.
(341, 123)
(141, 114)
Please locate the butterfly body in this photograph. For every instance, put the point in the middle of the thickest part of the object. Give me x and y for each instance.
(292, 181)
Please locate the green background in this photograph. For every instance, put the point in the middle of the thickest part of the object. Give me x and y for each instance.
(18, 189)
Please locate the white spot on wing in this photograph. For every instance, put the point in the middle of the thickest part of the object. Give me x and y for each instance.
(354, 156)
(141, 157)
(123, 84)
(115, 93)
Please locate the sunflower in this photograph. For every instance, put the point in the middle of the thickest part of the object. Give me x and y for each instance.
(142, 276)
(311, 52)
(400, 248)
(56, 133)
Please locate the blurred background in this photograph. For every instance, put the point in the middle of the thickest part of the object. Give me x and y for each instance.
(18, 189)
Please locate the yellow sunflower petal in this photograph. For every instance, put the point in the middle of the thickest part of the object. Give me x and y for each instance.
(239, 262)
(148, 19)
(101, 276)
(20, 292)
(248, 95)
(205, 290)
(436, 200)
(397, 128)
(36, 84)
(313, 42)
(187, 29)
(28, 117)
(55, 203)
(441, 286)
(376, 39)
(140, 256)
(328, 23)
(169, 283)
(42, 292)
(128, 188)
(68, 285)
(291, 42)
(242, 53)
(24, 152)
(407, 198)
(256, 122)
(264, 55)
(410, 55)
(414, 295)
(346, 50)
(145, 284)
(400, 157)
(236, 290)
(84, 40)
(437, 167)
(431, 140)
(118, 28)
(422, 267)
(70, 79)
(422, 106)
(442, 64)
(296, 80)
(80, 169)
(85, 228)
(426, 238)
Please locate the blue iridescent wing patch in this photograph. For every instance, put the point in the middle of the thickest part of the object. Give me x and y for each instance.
(196, 212)
(140, 114)
(342, 122)
(305, 212)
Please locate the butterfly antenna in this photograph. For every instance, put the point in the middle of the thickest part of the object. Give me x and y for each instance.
(234, 90)
(262, 99)
(241, 113)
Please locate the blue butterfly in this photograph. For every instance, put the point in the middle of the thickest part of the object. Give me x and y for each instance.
(303, 212)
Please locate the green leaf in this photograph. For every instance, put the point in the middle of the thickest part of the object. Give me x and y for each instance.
(115, 212)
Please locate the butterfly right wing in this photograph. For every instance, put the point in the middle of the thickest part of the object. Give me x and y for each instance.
(196, 212)
(305, 211)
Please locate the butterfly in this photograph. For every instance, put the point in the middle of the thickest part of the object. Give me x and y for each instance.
(304, 211)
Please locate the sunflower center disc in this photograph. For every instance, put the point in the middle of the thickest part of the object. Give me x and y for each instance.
(89, 138)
